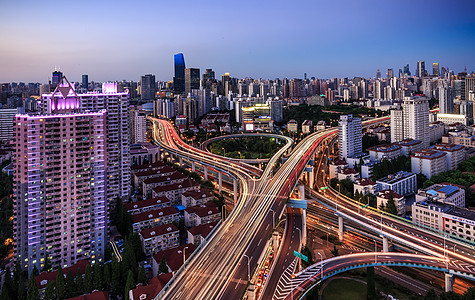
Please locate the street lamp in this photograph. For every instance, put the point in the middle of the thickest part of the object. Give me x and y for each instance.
(248, 268)
(224, 150)
(321, 264)
(239, 152)
(273, 217)
(375, 252)
(184, 256)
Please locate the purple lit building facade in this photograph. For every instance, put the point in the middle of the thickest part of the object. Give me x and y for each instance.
(60, 207)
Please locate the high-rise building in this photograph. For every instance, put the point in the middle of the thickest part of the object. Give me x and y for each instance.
(205, 100)
(276, 110)
(446, 100)
(57, 76)
(469, 87)
(390, 73)
(60, 209)
(412, 122)
(378, 90)
(192, 79)
(138, 126)
(435, 69)
(406, 70)
(85, 81)
(378, 74)
(350, 136)
(117, 106)
(179, 79)
(421, 69)
(226, 81)
(148, 86)
(7, 117)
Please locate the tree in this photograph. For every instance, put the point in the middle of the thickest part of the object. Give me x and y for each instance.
(469, 294)
(163, 268)
(70, 285)
(116, 281)
(88, 283)
(8, 286)
(107, 276)
(391, 205)
(130, 284)
(142, 277)
(97, 282)
(22, 288)
(79, 283)
(35, 271)
(60, 285)
(370, 285)
(334, 251)
(431, 295)
(33, 293)
(50, 291)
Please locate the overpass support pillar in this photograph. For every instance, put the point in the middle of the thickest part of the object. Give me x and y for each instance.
(260, 166)
(193, 166)
(449, 282)
(340, 228)
(220, 181)
(235, 191)
(311, 178)
(385, 244)
(304, 227)
(205, 168)
(302, 191)
(180, 160)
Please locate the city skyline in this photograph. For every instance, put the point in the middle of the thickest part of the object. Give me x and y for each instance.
(109, 42)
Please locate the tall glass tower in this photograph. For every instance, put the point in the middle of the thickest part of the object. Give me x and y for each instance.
(179, 79)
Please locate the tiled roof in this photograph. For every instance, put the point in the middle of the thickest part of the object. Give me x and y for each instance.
(97, 295)
(44, 277)
(146, 203)
(203, 229)
(385, 194)
(159, 179)
(201, 193)
(185, 184)
(158, 230)
(203, 210)
(365, 182)
(151, 290)
(174, 256)
(147, 215)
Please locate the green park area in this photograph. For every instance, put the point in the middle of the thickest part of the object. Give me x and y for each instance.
(344, 289)
(247, 147)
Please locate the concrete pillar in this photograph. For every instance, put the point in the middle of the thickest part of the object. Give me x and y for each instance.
(220, 181)
(311, 179)
(180, 160)
(385, 244)
(205, 172)
(275, 241)
(302, 191)
(340, 228)
(193, 166)
(260, 166)
(449, 282)
(304, 227)
(235, 190)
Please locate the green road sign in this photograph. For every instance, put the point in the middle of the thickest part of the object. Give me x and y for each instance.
(300, 255)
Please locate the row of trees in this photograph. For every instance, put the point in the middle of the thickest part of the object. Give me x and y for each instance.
(246, 147)
(386, 167)
(458, 177)
(6, 212)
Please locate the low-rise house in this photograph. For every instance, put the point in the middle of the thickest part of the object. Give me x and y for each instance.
(335, 167)
(455, 154)
(381, 152)
(429, 162)
(365, 186)
(45, 277)
(197, 234)
(152, 289)
(159, 238)
(140, 206)
(307, 126)
(175, 191)
(153, 218)
(399, 201)
(199, 197)
(402, 182)
(149, 184)
(174, 257)
(292, 126)
(409, 146)
(349, 173)
(202, 214)
(442, 193)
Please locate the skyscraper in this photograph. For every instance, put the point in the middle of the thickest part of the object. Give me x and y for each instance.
(378, 74)
(446, 100)
(435, 69)
(412, 122)
(421, 69)
(406, 70)
(57, 76)
(148, 86)
(209, 74)
(390, 73)
(192, 79)
(85, 81)
(350, 136)
(60, 209)
(179, 79)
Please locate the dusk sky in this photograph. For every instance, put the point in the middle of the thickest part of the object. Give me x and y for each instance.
(115, 40)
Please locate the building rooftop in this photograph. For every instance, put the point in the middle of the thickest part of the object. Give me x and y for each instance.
(429, 154)
(151, 290)
(348, 171)
(157, 213)
(448, 147)
(203, 230)
(364, 182)
(97, 295)
(204, 210)
(176, 186)
(338, 162)
(408, 142)
(44, 277)
(385, 194)
(174, 257)
(156, 164)
(146, 203)
(385, 148)
(200, 194)
(393, 178)
(177, 176)
(157, 171)
(158, 230)
(462, 213)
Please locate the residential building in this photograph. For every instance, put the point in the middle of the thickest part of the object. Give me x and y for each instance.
(436, 131)
(449, 119)
(320, 125)
(7, 118)
(140, 176)
(150, 183)
(336, 166)
(53, 175)
(148, 87)
(192, 79)
(141, 206)
(455, 154)
(202, 214)
(399, 201)
(443, 193)
(428, 162)
(381, 152)
(409, 146)
(44, 277)
(138, 126)
(174, 257)
(459, 138)
(198, 197)
(348, 173)
(412, 122)
(292, 126)
(159, 238)
(365, 186)
(197, 234)
(154, 218)
(350, 136)
(307, 126)
(175, 191)
(402, 182)
(143, 153)
(152, 289)
(446, 100)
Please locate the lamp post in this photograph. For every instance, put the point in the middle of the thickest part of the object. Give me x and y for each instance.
(248, 268)
(184, 255)
(375, 252)
(321, 264)
(273, 217)
(300, 241)
(224, 150)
